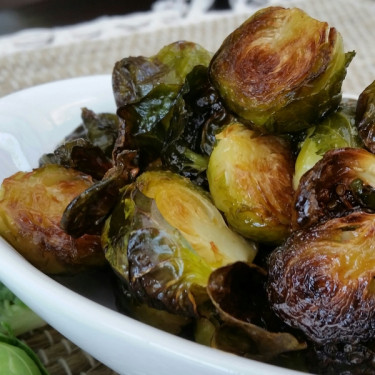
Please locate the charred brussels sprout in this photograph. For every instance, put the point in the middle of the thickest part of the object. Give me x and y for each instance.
(146, 90)
(250, 180)
(335, 131)
(322, 280)
(31, 206)
(365, 116)
(248, 327)
(164, 239)
(281, 70)
(341, 182)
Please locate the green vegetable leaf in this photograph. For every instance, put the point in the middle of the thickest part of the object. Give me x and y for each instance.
(17, 358)
(15, 314)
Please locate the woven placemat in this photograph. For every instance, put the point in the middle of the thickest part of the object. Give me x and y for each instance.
(352, 18)
(60, 356)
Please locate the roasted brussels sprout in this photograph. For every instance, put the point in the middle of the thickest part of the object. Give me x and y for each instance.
(231, 197)
(31, 206)
(343, 359)
(340, 183)
(146, 90)
(365, 116)
(165, 237)
(281, 70)
(322, 280)
(335, 131)
(250, 180)
(248, 325)
(198, 114)
(134, 77)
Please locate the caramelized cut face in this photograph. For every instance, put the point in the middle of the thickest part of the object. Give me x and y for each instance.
(190, 211)
(265, 71)
(276, 57)
(322, 280)
(31, 207)
(250, 180)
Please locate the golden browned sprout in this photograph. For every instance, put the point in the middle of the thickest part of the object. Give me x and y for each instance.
(31, 206)
(250, 180)
(281, 70)
(165, 237)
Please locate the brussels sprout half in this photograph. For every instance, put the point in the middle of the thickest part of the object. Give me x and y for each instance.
(281, 70)
(321, 280)
(164, 239)
(343, 181)
(335, 131)
(191, 211)
(250, 180)
(365, 116)
(31, 206)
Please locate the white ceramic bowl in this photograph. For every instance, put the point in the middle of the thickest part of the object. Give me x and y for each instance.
(32, 122)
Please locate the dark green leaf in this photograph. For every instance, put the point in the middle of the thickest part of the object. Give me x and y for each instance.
(101, 129)
(87, 212)
(81, 155)
(135, 77)
(198, 115)
(146, 121)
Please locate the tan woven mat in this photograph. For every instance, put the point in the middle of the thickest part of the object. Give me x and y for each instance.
(60, 356)
(353, 18)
